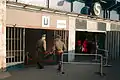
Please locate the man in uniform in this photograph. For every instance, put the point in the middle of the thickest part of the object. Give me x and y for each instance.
(41, 49)
(59, 47)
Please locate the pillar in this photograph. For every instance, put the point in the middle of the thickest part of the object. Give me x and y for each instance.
(2, 34)
(71, 42)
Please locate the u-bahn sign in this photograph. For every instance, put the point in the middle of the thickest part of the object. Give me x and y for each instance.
(45, 21)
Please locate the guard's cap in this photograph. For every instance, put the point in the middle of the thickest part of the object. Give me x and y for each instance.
(44, 35)
(58, 36)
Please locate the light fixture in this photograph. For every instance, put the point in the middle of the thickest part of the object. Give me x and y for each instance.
(45, 10)
(60, 12)
(32, 8)
(75, 15)
(12, 5)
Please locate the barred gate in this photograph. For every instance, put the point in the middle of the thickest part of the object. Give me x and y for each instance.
(15, 45)
(64, 35)
(112, 44)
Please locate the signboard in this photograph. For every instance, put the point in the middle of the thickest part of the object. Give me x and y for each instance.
(97, 9)
(45, 21)
(61, 24)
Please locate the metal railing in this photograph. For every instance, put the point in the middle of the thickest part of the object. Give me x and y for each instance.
(101, 61)
(106, 57)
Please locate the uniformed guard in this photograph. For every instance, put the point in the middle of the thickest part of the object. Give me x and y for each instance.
(59, 47)
(41, 49)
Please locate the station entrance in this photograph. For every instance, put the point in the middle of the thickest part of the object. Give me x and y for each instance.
(20, 41)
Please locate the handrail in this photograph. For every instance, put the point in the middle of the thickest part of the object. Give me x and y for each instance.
(101, 60)
(106, 57)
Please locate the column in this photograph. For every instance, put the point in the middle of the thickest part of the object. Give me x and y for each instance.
(71, 42)
(2, 34)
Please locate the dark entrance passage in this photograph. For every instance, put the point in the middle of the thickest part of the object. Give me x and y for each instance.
(91, 38)
(33, 35)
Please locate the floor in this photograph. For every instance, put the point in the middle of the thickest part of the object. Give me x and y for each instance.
(72, 72)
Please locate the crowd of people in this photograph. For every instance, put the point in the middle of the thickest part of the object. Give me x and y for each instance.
(86, 46)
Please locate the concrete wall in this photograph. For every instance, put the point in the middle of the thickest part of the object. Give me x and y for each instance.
(31, 19)
(77, 6)
(2, 34)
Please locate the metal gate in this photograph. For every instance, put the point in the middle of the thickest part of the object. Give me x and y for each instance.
(63, 34)
(112, 44)
(15, 38)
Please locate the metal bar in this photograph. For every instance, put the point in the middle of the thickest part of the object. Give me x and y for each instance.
(17, 29)
(109, 15)
(8, 42)
(14, 44)
(101, 66)
(84, 54)
(101, 61)
(11, 43)
(23, 44)
(20, 43)
(90, 63)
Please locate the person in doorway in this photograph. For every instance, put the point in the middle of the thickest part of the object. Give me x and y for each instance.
(59, 47)
(41, 49)
(85, 46)
(79, 46)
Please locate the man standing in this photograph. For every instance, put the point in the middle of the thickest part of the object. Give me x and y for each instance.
(41, 49)
(59, 47)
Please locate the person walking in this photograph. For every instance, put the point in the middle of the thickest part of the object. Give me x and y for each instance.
(59, 47)
(41, 49)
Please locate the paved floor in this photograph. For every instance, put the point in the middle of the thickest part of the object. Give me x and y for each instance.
(72, 72)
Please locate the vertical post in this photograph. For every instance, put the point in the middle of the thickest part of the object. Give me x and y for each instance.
(24, 44)
(11, 51)
(14, 43)
(8, 43)
(101, 66)
(119, 16)
(2, 34)
(17, 51)
(48, 4)
(109, 14)
(21, 50)
(71, 6)
(104, 15)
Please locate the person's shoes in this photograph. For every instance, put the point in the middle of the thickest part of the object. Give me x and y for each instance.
(40, 67)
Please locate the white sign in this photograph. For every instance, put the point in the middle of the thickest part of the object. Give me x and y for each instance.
(61, 23)
(91, 26)
(97, 9)
(45, 21)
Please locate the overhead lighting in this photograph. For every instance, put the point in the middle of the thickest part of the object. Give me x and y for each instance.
(60, 12)
(72, 15)
(12, 5)
(82, 16)
(44, 10)
(32, 8)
